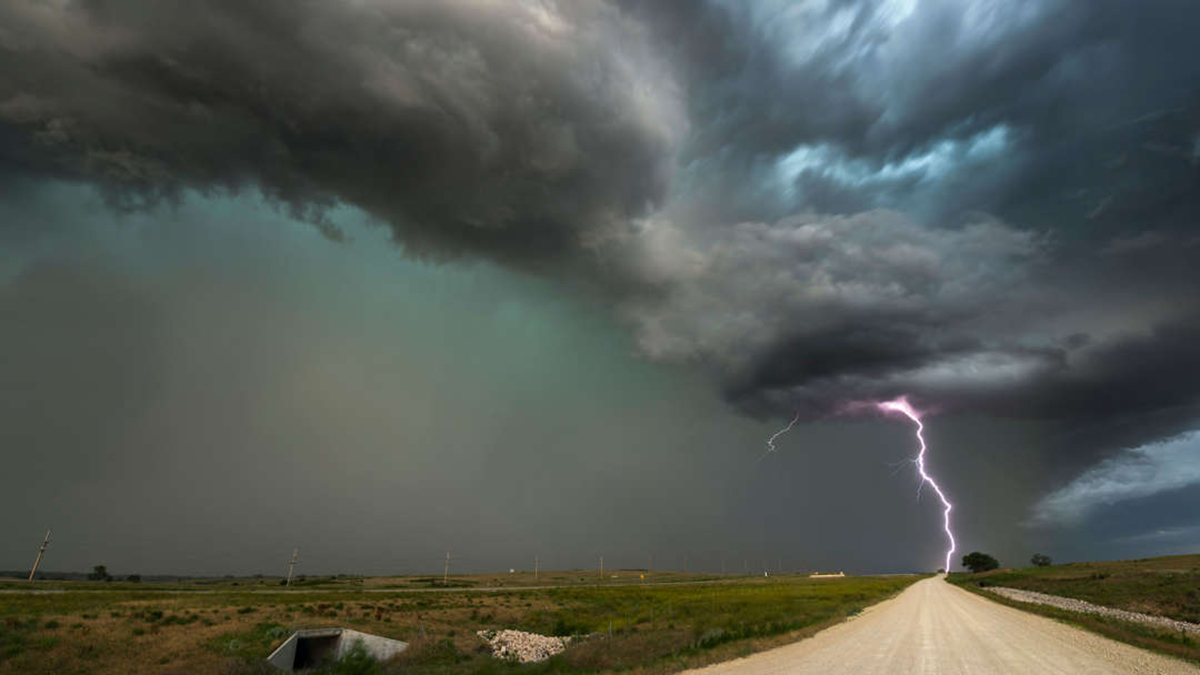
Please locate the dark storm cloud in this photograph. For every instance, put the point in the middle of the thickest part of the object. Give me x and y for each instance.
(881, 82)
(816, 312)
(984, 204)
(988, 205)
(513, 130)
(1073, 124)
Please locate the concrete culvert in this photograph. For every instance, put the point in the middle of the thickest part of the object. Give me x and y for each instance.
(310, 648)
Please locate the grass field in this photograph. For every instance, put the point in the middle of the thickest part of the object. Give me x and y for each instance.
(523, 579)
(1167, 586)
(229, 626)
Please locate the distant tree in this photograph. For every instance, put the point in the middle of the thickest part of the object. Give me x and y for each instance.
(979, 562)
(135, 578)
(1040, 560)
(941, 570)
(99, 573)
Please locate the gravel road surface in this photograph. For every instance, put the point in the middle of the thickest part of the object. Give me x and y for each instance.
(934, 627)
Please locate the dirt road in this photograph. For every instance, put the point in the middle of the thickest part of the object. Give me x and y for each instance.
(933, 627)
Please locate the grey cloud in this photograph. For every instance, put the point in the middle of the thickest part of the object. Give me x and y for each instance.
(1136, 473)
(938, 110)
(513, 130)
(989, 206)
(835, 305)
(791, 195)
(816, 311)
(882, 83)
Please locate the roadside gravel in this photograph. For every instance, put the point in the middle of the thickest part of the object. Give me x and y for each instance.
(1088, 608)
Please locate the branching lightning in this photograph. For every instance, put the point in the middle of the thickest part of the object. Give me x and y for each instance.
(902, 406)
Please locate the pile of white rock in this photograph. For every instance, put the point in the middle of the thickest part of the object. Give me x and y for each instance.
(521, 646)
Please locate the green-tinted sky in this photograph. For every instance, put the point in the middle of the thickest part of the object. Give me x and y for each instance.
(388, 278)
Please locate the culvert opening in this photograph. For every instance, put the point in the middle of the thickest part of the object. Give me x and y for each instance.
(312, 652)
(313, 647)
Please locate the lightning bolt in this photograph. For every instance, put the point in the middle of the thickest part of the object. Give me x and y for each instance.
(902, 406)
(771, 440)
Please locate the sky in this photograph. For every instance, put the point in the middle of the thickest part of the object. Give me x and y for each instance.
(385, 279)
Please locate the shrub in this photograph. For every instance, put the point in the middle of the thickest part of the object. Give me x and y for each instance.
(979, 562)
(179, 619)
(712, 637)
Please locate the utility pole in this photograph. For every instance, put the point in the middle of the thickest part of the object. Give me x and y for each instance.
(779, 565)
(446, 571)
(685, 563)
(602, 567)
(649, 564)
(292, 565)
(746, 566)
(537, 566)
(38, 560)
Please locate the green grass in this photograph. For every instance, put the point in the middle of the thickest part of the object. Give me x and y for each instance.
(1167, 586)
(635, 628)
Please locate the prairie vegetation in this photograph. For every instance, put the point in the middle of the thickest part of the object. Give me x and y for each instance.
(114, 627)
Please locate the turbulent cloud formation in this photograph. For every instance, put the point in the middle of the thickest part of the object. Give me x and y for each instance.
(515, 130)
(1062, 124)
(989, 205)
(835, 305)
(1139, 472)
(827, 233)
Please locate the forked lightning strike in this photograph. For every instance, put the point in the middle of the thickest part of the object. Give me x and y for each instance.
(902, 406)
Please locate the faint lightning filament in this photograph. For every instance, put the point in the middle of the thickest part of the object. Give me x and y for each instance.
(771, 440)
